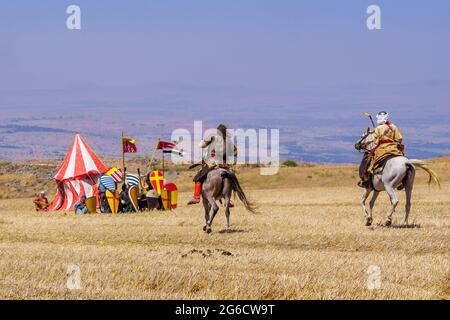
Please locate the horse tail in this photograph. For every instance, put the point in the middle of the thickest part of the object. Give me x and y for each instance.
(238, 189)
(424, 166)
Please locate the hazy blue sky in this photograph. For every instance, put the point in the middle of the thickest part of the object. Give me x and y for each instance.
(252, 43)
(309, 68)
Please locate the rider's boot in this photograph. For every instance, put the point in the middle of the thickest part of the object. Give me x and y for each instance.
(364, 183)
(197, 193)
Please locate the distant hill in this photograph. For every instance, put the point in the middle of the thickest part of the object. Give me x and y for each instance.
(315, 124)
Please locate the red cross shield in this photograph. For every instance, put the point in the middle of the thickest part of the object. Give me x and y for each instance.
(157, 181)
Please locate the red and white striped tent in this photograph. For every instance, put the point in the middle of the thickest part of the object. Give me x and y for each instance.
(78, 175)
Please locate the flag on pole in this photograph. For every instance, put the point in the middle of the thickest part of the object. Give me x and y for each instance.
(169, 147)
(180, 153)
(116, 174)
(129, 145)
(166, 145)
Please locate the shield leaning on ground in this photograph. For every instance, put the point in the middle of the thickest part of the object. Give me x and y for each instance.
(133, 194)
(91, 204)
(157, 181)
(113, 200)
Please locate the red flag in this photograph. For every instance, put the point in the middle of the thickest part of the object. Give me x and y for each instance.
(166, 145)
(129, 145)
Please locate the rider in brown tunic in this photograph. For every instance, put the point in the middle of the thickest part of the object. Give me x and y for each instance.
(218, 146)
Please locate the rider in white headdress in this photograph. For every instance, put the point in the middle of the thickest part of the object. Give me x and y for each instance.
(388, 141)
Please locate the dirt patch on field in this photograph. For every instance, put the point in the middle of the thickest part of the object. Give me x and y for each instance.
(207, 253)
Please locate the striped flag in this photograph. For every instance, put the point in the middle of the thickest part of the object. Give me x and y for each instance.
(132, 179)
(116, 174)
(180, 153)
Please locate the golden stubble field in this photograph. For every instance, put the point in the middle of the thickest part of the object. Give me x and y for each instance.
(308, 242)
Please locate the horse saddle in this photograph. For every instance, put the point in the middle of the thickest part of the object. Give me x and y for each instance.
(381, 163)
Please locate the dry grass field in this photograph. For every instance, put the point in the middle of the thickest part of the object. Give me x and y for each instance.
(308, 242)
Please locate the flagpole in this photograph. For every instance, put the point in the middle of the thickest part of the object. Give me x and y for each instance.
(162, 161)
(123, 154)
(123, 162)
(153, 155)
(140, 180)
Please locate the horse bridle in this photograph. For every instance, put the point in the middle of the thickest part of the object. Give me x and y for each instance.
(363, 147)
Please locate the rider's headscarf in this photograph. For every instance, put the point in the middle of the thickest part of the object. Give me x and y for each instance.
(382, 117)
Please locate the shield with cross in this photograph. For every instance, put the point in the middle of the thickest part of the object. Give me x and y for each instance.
(157, 181)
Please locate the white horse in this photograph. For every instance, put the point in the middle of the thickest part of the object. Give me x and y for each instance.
(397, 171)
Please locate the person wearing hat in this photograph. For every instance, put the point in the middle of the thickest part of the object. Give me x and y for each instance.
(388, 142)
(80, 206)
(41, 202)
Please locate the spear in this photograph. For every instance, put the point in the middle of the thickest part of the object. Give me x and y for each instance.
(367, 114)
(153, 155)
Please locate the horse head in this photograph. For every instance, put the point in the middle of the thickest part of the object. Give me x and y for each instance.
(366, 141)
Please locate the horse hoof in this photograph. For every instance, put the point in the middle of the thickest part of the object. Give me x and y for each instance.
(208, 230)
(204, 228)
(388, 223)
(368, 222)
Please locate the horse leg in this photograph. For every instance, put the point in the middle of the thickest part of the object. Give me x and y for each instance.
(227, 191)
(207, 207)
(409, 182)
(371, 205)
(227, 212)
(213, 205)
(394, 202)
(365, 195)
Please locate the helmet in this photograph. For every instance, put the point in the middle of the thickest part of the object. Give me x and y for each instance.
(382, 117)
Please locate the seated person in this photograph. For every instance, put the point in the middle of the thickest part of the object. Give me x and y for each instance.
(104, 206)
(80, 205)
(125, 201)
(41, 202)
(152, 199)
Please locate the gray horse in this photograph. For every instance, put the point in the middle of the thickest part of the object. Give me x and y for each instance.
(219, 185)
(397, 171)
